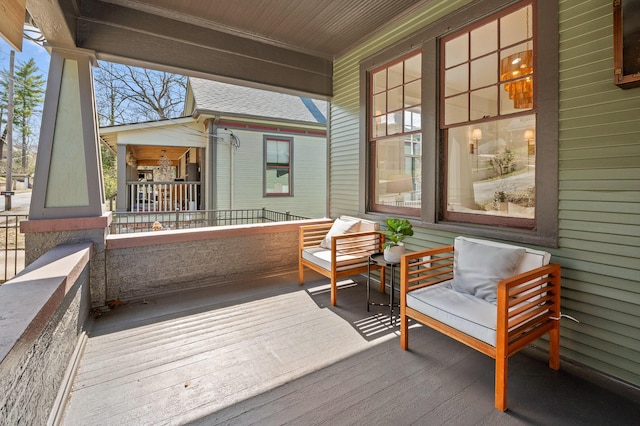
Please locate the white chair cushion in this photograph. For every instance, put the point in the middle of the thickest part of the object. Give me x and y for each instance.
(322, 258)
(532, 259)
(340, 226)
(477, 267)
(462, 311)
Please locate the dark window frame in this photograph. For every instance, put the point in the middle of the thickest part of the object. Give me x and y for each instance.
(427, 39)
(270, 138)
(372, 139)
(471, 218)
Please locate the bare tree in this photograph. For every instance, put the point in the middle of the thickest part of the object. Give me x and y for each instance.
(110, 100)
(126, 94)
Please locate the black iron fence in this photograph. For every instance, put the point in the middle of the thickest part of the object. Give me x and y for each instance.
(11, 245)
(128, 222)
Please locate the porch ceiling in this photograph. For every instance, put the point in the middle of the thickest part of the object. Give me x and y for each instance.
(147, 155)
(282, 44)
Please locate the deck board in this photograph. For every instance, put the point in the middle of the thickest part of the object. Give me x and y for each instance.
(267, 351)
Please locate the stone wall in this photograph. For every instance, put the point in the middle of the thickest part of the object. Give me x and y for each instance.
(140, 265)
(42, 235)
(44, 311)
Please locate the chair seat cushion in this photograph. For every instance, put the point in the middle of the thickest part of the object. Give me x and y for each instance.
(322, 257)
(469, 314)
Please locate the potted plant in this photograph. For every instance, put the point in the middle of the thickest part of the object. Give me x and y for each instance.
(500, 200)
(397, 230)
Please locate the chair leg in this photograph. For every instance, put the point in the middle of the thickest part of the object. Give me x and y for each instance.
(554, 348)
(300, 273)
(334, 291)
(383, 277)
(404, 331)
(501, 383)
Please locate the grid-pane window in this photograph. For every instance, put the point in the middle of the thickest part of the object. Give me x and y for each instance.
(395, 117)
(277, 175)
(488, 120)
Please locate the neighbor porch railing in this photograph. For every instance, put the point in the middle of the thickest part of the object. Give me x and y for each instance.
(127, 222)
(12, 246)
(163, 196)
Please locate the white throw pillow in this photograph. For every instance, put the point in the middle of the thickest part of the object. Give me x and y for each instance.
(340, 227)
(477, 267)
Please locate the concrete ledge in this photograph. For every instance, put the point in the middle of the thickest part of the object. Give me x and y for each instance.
(59, 225)
(42, 313)
(199, 234)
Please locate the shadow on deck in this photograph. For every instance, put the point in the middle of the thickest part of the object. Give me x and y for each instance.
(267, 351)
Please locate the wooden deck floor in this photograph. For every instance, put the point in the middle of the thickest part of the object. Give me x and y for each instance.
(270, 352)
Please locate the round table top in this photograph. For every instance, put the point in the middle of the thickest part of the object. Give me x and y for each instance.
(378, 258)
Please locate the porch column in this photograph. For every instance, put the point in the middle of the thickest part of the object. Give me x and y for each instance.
(121, 196)
(68, 201)
(211, 201)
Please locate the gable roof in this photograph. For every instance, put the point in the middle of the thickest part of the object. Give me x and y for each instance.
(222, 98)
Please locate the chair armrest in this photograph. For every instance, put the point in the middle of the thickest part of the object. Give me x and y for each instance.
(425, 268)
(527, 301)
(312, 235)
(356, 245)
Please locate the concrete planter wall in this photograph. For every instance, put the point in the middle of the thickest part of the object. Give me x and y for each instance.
(139, 265)
(44, 312)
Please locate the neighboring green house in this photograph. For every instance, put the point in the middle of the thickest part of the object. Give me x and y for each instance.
(269, 150)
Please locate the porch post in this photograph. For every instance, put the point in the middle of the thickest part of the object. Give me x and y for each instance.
(68, 201)
(212, 166)
(121, 196)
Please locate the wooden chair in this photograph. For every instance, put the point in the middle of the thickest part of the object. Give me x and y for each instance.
(341, 254)
(527, 304)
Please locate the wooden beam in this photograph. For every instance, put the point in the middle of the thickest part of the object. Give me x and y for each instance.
(55, 19)
(193, 50)
(12, 14)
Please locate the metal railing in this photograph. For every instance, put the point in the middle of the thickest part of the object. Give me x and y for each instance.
(128, 222)
(12, 246)
(163, 196)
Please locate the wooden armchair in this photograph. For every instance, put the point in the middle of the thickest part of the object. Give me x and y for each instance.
(337, 253)
(526, 305)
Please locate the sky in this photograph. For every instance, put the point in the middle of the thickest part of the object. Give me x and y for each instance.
(29, 50)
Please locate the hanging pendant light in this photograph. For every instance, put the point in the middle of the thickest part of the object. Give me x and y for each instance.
(519, 67)
(516, 66)
(164, 161)
(165, 169)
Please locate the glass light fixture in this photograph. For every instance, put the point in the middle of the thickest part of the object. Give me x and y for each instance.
(476, 134)
(165, 167)
(515, 66)
(519, 67)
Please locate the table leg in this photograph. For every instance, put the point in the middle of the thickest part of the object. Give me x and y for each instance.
(368, 282)
(391, 297)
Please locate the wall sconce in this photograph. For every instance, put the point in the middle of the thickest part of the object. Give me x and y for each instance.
(476, 135)
(529, 136)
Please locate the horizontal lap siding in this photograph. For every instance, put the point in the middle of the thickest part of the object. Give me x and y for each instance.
(344, 161)
(599, 181)
(599, 196)
(246, 165)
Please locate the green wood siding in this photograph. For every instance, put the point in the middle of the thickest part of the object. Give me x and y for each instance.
(599, 181)
(599, 196)
(246, 165)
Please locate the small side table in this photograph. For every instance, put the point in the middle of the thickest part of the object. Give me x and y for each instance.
(378, 259)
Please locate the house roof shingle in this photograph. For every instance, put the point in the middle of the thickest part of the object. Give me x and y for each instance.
(214, 96)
